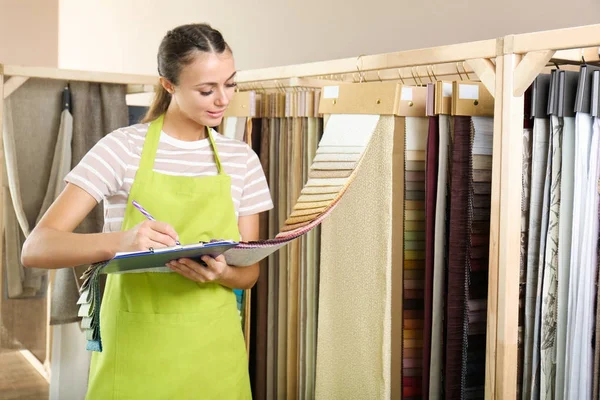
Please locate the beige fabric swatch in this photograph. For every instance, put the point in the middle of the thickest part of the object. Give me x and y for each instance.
(316, 197)
(326, 149)
(312, 205)
(344, 173)
(297, 213)
(336, 165)
(327, 182)
(361, 320)
(321, 189)
(342, 157)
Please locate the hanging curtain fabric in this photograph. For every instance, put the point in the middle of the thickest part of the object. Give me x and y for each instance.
(557, 356)
(64, 292)
(285, 297)
(440, 262)
(550, 265)
(596, 374)
(431, 181)
(583, 254)
(361, 321)
(259, 293)
(98, 109)
(416, 146)
(478, 260)
(33, 116)
(31, 123)
(457, 255)
(579, 332)
(564, 247)
(469, 230)
(310, 277)
(538, 167)
(525, 199)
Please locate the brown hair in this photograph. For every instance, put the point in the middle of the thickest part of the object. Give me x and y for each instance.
(176, 50)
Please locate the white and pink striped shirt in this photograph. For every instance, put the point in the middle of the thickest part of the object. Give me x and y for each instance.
(107, 171)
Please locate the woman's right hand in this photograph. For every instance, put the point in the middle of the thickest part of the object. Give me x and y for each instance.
(149, 234)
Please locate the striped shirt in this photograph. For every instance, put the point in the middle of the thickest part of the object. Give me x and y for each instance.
(107, 171)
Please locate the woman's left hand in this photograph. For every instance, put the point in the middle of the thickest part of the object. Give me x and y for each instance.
(215, 269)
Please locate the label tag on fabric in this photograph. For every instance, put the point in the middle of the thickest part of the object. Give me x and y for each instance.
(446, 89)
(470, 92)
(331, 92)
(406, 94)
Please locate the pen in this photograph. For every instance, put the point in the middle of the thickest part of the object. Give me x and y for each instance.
(147, 214)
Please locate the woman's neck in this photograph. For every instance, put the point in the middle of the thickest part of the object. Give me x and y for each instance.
(180, 127)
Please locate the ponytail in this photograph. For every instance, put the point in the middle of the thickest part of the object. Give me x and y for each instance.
(159, 106)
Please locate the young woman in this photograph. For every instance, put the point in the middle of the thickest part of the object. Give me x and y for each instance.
(166, 335)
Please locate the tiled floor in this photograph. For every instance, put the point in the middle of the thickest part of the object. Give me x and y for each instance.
(19, 380)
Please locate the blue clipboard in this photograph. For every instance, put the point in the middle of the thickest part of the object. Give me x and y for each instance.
(123, 262)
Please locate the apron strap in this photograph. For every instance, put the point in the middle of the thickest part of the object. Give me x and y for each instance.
(214, 147)
(150, 146)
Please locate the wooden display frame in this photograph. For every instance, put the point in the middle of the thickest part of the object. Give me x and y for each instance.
(506, 66)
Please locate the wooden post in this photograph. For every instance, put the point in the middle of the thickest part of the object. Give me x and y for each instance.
(506, 227)
(492, 311)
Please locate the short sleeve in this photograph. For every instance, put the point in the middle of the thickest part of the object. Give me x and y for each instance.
(256, 196)
(102, 170)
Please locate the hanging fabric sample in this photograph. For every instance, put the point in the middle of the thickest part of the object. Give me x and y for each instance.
(413, 312)
(538, 167)
(361, 321)
(431, 180)
(581, 309)
(258, 325)
(550, 266)
(525, 198)
(478, 261)
(311, 267)
(466, 309)
(578, 379)
(236, 128)
(63, 306)
(30, 127)
(596, 374)
(456, 330)
(440, 251)
(32, 120)
(564, 247)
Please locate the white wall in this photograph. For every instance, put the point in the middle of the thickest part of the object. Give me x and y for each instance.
(29, 32)
(123, 35)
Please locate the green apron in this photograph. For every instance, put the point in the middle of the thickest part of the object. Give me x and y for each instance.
(165, 336)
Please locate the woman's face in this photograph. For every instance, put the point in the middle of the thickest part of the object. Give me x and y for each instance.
(206, 86)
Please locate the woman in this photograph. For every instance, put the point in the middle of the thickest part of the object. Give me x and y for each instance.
(174, 335)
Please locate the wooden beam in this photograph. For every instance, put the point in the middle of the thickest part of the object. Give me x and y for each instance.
(577, 56)
(409, 58)
(486, 71)
(529, 68)
(558, 39)
(74, 75)
(492, 302)
(508, 228)
(12, 84)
